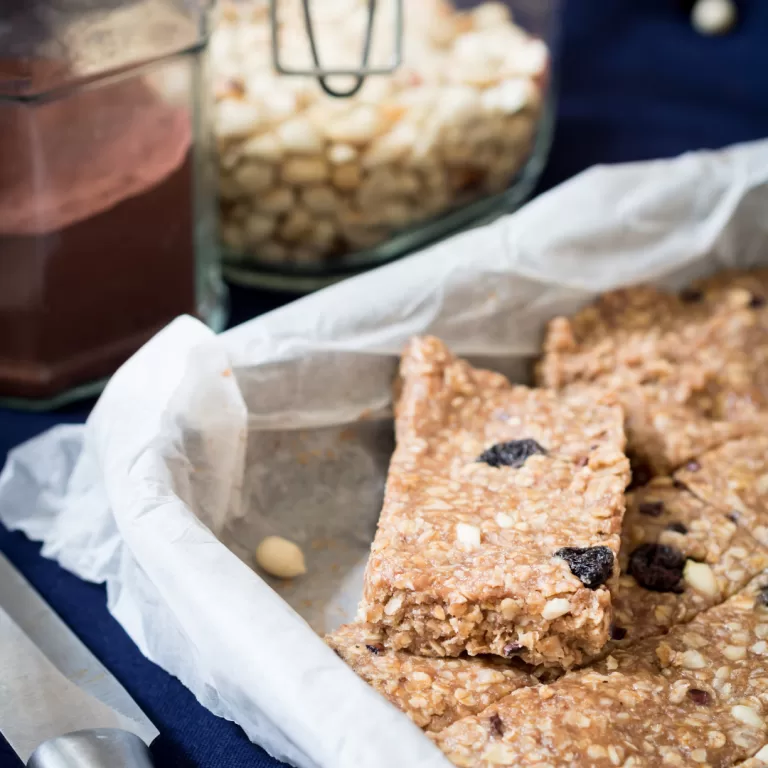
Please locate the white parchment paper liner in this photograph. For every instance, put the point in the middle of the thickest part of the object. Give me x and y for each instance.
(201, 445)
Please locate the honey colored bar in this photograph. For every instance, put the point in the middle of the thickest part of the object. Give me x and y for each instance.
(691, 371)
(432, 692)
(501, 517)
(679, 556)
(646, 329)
(734, 478)
(696, 696)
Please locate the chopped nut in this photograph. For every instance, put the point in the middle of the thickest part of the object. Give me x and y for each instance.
(747, 715)
(734, 652)
(509, 609)
(555, 608)
(701, 578)
(468, 534)
(692, 660)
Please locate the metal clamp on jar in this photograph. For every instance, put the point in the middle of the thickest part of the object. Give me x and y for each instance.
(350, 132)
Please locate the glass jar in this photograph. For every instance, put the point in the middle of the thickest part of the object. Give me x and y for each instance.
(107, 189)
(450, 128)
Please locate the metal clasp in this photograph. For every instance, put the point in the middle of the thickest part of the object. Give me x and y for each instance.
(321, 73)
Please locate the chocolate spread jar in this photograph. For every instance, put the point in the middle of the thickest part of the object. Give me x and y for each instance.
(106, 230)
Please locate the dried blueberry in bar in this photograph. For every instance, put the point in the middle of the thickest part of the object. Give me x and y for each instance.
(679, 556)
(734, 478)
(432, 692)
(501, 518)
(696, 696)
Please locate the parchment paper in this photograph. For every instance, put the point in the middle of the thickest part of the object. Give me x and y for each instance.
(201, 445)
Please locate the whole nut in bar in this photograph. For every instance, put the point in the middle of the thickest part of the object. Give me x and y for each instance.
(280, 557)
(456, 122)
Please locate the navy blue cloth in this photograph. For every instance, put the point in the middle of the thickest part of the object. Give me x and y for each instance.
(636, 82)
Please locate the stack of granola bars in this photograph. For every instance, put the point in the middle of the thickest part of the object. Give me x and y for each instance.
(524, 611)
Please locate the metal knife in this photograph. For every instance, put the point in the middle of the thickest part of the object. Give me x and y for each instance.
(59, 706)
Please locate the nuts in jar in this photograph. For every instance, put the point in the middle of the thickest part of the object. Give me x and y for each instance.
(304, 177)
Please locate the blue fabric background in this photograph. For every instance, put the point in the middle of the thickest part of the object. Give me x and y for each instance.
(636, 82)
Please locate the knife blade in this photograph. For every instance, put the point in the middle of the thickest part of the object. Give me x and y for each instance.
(50, 683)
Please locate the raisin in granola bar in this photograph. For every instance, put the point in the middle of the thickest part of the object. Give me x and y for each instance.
(501, 517)
(694, 696)
(432, 692)
(679, 556)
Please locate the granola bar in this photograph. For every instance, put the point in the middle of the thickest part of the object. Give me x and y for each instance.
(691, 371)
(644, 328)
(501, 517)
(636, 327)
(695, 696)
(432, 692)
(669, 420)
(679, 556)
(734, 478)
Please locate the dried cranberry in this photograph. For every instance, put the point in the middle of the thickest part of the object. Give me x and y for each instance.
(691, 295)
(512, 649)
(618, 633)
(657, 567)
(641, 474)
(497, 726)
(651, 508)
(511, 454)
(756, 302)
(677, 528)
(376, 649)
(592, 566)
(693, 466)
(698, 696)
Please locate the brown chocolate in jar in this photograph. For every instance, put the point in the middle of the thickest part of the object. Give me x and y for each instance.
(96, 232)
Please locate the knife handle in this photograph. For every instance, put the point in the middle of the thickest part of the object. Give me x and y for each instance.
(93, 748)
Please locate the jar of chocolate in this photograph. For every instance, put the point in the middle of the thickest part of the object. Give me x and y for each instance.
(107, 198)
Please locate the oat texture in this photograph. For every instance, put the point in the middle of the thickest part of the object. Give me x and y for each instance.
(697, 696)
(679, 556)
(490, 490)
(690, 370)
(432, 692)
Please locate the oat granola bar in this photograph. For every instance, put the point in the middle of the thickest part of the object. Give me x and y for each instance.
(679, 556)
(668, 420)
(501, 517)
(644, 327)
(734, 478)
(691, 371)
(695, 696)
(432, 692)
